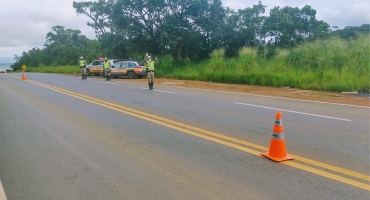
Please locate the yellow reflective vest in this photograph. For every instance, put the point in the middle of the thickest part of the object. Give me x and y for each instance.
(151, 65)
(106, 64)
(82, 63)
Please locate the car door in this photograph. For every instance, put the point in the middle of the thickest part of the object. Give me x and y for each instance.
(124, 67)
(131, 69)
(115, 69)
(96, 67)
(131, 66)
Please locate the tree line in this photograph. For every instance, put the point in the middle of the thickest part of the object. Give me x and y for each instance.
(190, 29)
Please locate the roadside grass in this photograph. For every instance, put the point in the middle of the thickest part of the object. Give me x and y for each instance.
(328, 65)
(55, 69)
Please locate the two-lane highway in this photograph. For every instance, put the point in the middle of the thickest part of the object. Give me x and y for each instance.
(66, 138)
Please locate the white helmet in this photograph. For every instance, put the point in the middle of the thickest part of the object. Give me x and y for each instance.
(106, 58)
(81, 57)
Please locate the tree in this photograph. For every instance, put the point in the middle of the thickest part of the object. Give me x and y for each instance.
(152, 25)
(62, 47)
(249, 22)
(61, 36)
(287, 27)
(95, 11)
(351, 31)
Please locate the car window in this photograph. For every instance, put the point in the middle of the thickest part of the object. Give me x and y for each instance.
(117, 64)
(96, 62)
(131, 65)
(140, 63)
(124, 64)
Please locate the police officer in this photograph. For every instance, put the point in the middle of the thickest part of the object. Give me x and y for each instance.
(82, 63)
(150, 68)
(107, 66)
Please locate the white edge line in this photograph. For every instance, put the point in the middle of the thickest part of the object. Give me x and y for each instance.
(2, 192)
(109, 83)
(258, 95)
(164, 91)
(158, 90)
(323, 116)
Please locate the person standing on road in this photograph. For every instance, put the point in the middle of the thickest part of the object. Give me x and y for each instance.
(82, 63)
(107, 66)
(150, 69)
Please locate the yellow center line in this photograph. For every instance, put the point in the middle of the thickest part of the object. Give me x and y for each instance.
(218, 138)
(329, 175)
(312, 162)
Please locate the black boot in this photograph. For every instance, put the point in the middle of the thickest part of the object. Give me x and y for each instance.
(150, 86)
(82, 77)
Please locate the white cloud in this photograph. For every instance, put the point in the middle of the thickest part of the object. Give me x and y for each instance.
(25, 23)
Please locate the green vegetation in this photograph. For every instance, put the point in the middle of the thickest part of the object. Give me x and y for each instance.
(329, 65)
(202, 40)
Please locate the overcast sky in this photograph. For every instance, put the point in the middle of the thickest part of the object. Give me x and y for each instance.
(25, 23)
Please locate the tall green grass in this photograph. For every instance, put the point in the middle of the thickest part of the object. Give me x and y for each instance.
(334, 64)
(329, 65)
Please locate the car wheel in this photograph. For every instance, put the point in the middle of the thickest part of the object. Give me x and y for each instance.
(140, 76)
(131, 75)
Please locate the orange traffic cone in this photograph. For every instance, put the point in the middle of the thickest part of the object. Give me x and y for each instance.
(277, 151)
(24, 76)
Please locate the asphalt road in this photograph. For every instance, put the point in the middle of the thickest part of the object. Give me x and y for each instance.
(66, 138)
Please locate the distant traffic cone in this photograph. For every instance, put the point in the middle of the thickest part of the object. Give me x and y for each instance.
(277, 151)
(24, 76)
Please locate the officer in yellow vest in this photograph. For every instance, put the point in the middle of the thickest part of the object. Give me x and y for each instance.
(107, 66)
(150, 69)
(82, 63)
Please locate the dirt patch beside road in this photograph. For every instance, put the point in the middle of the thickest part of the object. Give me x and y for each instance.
(295, 93)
